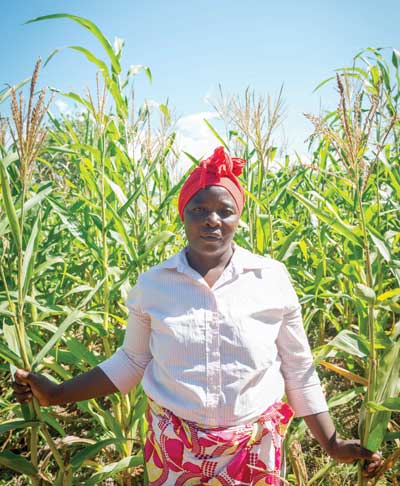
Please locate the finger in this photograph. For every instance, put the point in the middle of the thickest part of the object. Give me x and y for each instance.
(370, 474)
(20, 388)
(369, 455)
(23, 397)
(21, 376)
(374, 463)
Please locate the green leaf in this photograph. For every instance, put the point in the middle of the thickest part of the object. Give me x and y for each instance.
(51, 55)
(17, 463)
(122, 235)
(135, 69)
(140, 407)
(30, 255)
(112, 469)
(16, 424)
(350, 343)
(5, 94)
(117, 190)
(365, 293)
(388, 295)
(216, 134)
(50, 420)
(94, 60)
(71, 226)
(375, 74)
(70, 319)
(380, 244)
(111, 84)
(9, 205)
(288, 245)
(388, 372)
(78, 99)
(8, 355)
(44, 191)
(393, 173)
(391, 436)
(91, 27)
(81, 352)
(330, 218)
(322, 83)
(345, 397)
(254, 198)
(259, 236)
(158, 239)
(165, 111)
(11, 337)
(389, 405)
(80, 457)
(375, 437)
(396, 58)
(91, 294)
(387, 387)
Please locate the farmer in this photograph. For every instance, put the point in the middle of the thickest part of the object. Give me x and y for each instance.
(215, 335)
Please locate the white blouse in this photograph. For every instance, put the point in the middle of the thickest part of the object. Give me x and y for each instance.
(220, 355)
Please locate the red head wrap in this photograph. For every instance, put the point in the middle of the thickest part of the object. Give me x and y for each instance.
(218, 170)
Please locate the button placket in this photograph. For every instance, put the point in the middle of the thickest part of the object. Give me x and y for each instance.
(213, 355)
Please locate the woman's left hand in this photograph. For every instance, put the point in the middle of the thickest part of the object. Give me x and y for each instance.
(323, 429)
(350, 450)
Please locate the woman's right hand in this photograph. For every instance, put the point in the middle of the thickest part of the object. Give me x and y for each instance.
(92, 384)
(28, 384)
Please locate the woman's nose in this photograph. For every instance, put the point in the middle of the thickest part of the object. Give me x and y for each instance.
(213, 218)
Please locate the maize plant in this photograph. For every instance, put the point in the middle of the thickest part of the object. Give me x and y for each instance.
(89, 201)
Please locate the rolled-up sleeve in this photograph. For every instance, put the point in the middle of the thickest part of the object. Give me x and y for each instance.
(302, 384)
(126, 366)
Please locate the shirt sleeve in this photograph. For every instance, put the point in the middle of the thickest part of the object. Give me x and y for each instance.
(302, 384)
(126, 366)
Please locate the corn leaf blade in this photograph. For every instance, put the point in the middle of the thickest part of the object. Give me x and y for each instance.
(17, 463)
(70, 319)
(9, 205)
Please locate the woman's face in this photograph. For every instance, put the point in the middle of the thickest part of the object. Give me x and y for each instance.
(211, 218)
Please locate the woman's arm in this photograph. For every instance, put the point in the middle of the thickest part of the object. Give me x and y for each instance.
(323, 429)
(92, 384)
(121, 372)
(303, 388)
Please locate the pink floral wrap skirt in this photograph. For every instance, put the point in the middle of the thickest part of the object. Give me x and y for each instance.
(183, 453)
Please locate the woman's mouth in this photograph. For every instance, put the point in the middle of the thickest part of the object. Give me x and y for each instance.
(211, 237)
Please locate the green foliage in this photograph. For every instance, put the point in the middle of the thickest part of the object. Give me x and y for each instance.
(102, 207)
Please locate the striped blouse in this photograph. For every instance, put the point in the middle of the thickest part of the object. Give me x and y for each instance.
(220, 355)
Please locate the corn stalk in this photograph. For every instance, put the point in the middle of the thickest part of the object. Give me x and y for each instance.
(28, 136)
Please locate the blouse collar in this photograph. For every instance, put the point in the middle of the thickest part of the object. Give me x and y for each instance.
(242, 260)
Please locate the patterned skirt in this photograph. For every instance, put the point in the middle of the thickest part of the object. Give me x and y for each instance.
(182, 453)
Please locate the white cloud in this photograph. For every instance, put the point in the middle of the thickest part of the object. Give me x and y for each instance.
(194, 136)
(63, 107)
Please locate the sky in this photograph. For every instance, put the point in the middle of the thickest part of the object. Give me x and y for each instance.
(192, 47)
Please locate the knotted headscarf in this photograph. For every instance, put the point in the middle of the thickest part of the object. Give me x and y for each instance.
(218, 170)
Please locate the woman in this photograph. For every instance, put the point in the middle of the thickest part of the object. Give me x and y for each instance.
(216, 337)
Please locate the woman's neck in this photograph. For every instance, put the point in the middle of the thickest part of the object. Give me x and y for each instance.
(204, 263)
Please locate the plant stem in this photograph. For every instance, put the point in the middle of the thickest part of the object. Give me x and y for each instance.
(52, 447)
(33, 444)
(371, 368)
(106, 290)
(20, 327)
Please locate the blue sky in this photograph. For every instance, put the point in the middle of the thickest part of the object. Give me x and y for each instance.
(192, 46)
